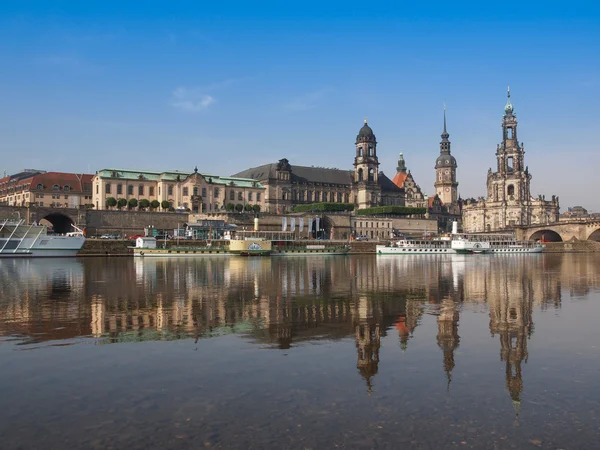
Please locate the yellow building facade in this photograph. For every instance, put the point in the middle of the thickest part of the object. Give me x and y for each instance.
(176, 190)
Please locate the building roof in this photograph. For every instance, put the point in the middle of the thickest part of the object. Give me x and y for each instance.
(388, 185)
(15, 178)
(400, 178)
(300, 174)
(78, 183)
(172, 175)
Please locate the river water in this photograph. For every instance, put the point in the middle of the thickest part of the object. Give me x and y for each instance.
(370, 351)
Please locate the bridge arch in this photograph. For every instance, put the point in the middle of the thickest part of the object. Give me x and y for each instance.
(546, 235)
(594, 235)
(60, 223)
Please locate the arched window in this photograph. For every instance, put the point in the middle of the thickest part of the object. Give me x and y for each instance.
(39, 187)
(510, 190)
(360, 151)
(370, 151)
(55, 187)
(66, 187)
(360, 175)
(371, 174)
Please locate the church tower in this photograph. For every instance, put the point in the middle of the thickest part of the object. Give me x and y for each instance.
(446, 186)
(511, 182)
(366, 172)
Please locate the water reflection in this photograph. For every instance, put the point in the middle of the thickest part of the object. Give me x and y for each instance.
(286, 302)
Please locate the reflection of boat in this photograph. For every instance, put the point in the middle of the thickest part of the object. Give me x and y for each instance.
(17, 239)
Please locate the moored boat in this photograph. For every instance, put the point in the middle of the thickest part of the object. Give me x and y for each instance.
(461, 243)
(17, 239)
(147, 247)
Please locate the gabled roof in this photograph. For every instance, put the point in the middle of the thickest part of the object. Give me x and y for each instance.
(400, 178)
(388, 185)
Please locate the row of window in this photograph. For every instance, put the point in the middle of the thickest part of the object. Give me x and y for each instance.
(374, 225)
(316, 197)
(196, 191)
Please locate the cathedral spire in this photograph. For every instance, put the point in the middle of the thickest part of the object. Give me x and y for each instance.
(445, 132)
(508, 109)
(445, 144)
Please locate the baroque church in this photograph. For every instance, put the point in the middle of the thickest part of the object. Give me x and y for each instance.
(509, 202)
(365, 186)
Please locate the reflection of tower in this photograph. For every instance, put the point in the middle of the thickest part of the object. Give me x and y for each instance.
(368, 342)
(407, 323)
(511, 319)
(448, 338)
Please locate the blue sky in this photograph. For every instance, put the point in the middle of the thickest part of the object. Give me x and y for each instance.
(231, 85)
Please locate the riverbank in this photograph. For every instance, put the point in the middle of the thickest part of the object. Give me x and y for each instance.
(109, 247)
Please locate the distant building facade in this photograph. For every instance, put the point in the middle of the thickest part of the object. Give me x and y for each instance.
(365, 186)
(413, 196)
(445, 204)
(48, 189)
(509, 202)
(191, 191)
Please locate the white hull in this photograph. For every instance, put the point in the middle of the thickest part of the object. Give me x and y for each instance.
(384, 250)
(18, 240)
(174, 253)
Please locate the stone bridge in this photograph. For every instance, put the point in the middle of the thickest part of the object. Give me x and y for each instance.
(575, 229)
(60, 218)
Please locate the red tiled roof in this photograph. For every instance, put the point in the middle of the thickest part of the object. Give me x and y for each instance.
(75, 181)
(400, 178)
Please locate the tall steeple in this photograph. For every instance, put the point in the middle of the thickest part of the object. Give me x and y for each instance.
(446, 186)
(445, 134)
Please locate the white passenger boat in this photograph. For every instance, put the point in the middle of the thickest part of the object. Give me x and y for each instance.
(17, 239)
(461, 243)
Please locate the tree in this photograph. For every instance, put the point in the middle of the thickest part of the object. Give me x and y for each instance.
(111, 202)
(247, 207)
(165, 205)
(121, 203)
(239, 207)
(256, 208)
(132, 203)
(230, 207)
(154, 204)
(144, 203)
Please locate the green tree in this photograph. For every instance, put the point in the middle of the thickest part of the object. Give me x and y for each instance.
(247, 207)
(239, 207)
(256, 208)
(121, 203)
(111, 202)
(165, 205)
(132, 203)
(144, 203)
(230, 207)
(154, 204)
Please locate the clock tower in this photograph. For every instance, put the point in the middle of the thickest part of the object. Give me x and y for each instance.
(366, 169)
(446, 186)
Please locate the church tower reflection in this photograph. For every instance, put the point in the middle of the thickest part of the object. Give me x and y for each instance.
(367, 330)
(510, 318)
(447, 337)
